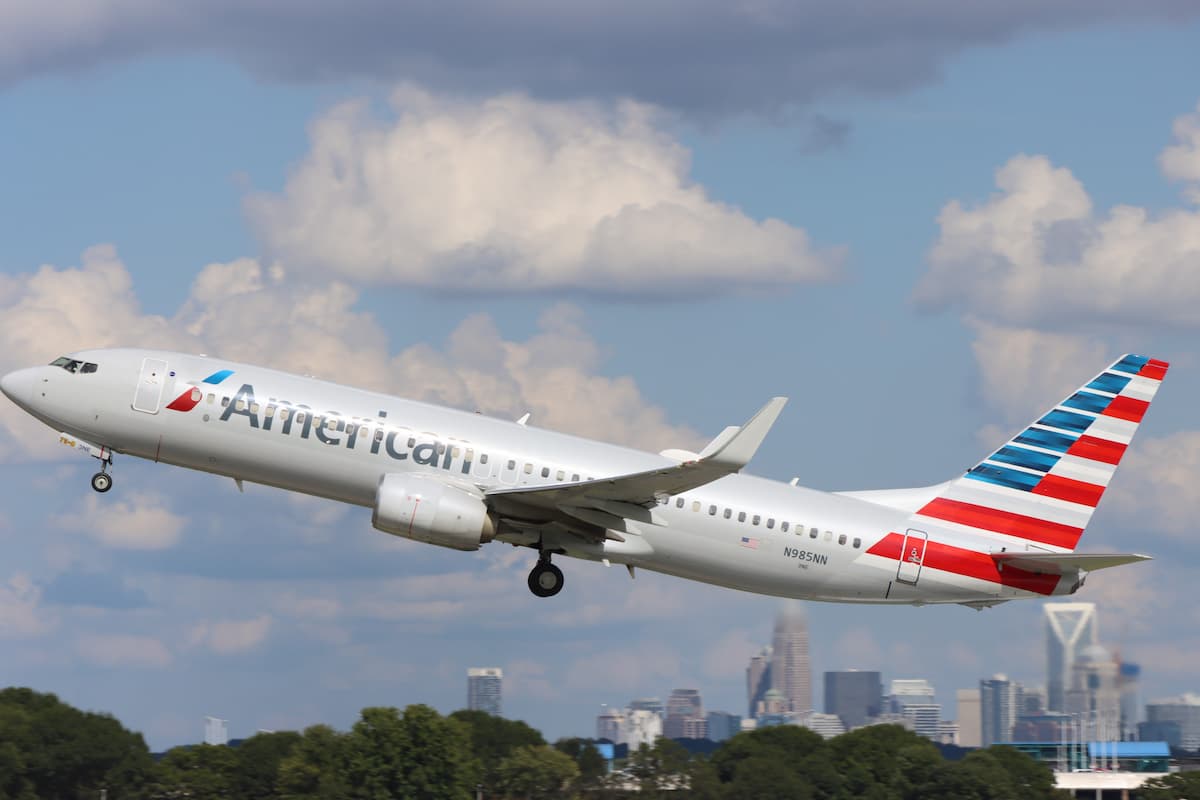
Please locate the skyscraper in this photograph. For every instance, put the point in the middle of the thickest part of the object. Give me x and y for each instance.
(999, 699)
(854, 696)
(685, 715)
(1070, 629)
(483, 689)
(758, 680)
(790, 671)
(970, 721)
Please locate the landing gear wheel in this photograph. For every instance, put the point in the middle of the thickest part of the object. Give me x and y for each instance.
(101, 482)
(545, 579)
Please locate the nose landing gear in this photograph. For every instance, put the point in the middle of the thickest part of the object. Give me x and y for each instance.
(545, 579)
(101, 481)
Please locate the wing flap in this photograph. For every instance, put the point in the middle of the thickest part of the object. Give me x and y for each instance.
(731, 450)
(1065, 563)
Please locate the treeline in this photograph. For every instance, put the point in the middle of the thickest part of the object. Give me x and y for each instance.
(51, 751)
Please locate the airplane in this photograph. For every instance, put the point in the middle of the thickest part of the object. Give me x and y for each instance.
(1005, 529)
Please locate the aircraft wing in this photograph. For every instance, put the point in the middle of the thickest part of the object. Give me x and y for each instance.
(604, 500)
(1065, 563)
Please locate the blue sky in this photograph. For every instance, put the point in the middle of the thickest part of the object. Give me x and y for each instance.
(909, 338)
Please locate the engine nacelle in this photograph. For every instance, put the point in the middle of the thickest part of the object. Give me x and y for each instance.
(429, 510)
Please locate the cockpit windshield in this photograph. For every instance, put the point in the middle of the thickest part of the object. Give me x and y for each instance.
(74, 365)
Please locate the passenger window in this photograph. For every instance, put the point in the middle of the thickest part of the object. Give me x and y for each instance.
(440, 448)
(741, 516)
(545, 472)
(412, 442)
(756, 520)
(842, 539)
(454, 452)
(283, 412)
(241, 405)
(300, 417)
(330, 423)
(483, 458)
(712, 511)
(695, 505)
(470, 454)
(812, 533)
(270, 411)
(528, 468)
(560, 476)
(770, 523)
(379, 434)
(224, 402)
(575, 477)
(254, 408)
(783, 526)
(212, 398)
(728, 513)
(679, 503)
(829, 536)
(350, 428)
(857, 542)
(512, 464)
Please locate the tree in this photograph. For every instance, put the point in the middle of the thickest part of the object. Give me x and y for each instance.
(53, 751)
(493, 738)
(661, 769)
(258, 760)
(316, 767)
(591, 763)
(766, 778)
(200, 772)
(1179, 786)
(537, 772)
(418, 754)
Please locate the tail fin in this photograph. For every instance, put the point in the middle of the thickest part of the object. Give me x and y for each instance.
(1042, 486)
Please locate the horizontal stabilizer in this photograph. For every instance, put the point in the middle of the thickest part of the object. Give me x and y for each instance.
(1065, 563)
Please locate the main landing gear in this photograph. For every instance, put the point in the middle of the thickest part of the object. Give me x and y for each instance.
(545, 579)
(102, 481)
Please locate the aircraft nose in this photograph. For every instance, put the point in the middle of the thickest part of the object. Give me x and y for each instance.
(18, 386)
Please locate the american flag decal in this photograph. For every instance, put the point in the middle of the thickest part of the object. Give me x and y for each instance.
(748, 542)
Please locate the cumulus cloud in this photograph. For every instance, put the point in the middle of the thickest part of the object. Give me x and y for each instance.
(135, 521)
(244, 310)
(231, 636)
(704, 55)
(21, 614)
(519, 195)
(1181, 160)
(123, 650)
(1037, 253)
(1156, 484)
(1025, 371)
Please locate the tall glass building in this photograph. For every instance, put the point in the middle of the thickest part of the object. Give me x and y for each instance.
(854, 696)
(483, 689)
(1070, 630)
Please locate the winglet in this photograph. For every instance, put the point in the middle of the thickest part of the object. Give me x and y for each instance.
(734, 447)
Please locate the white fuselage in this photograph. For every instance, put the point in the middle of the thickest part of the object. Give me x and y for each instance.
(311, 436)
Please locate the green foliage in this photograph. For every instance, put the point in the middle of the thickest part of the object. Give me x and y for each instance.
(493, 738)
(537, 772)
(1179, 786)
(201, 772)
(258, 760)
(591, 764)
(52, 751)
(417, 754)
(315, 768)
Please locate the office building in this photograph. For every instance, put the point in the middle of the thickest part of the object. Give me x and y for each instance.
(999, 699)
(685, 715)
(1070, 629)
(910, 691)
(758, 680)
(483, 689)
(1127, 685)
(1177, 718)
(722, 726)
(827, 725)
(924, 718)
(790, 671)
(854, 696)
(641, 727)
(651, 704)
(215, 731)
(970, 719)
(1094, 695)
(610, 724)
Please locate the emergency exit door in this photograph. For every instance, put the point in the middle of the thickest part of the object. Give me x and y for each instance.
(912, 555)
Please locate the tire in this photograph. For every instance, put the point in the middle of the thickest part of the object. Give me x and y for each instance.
(545, 580)
(102, 482)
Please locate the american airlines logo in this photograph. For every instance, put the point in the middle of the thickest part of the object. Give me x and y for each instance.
(331, 427)
(188, 400)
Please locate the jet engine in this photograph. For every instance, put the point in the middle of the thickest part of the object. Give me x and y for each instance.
(429, 510)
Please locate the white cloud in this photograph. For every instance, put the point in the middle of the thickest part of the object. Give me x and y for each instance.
(1027, 371)
(1181, 160)
(21, 614)
(231, 636)
(133, 521)
(1037, 253)
(519, 195)
(123, 650)
(1156, 485)
(243, 310)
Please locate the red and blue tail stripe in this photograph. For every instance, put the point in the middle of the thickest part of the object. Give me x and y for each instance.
(1042, 486)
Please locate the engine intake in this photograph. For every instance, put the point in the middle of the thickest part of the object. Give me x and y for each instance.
(429, 510)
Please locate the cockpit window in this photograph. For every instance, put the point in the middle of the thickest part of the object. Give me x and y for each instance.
(73, 365)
